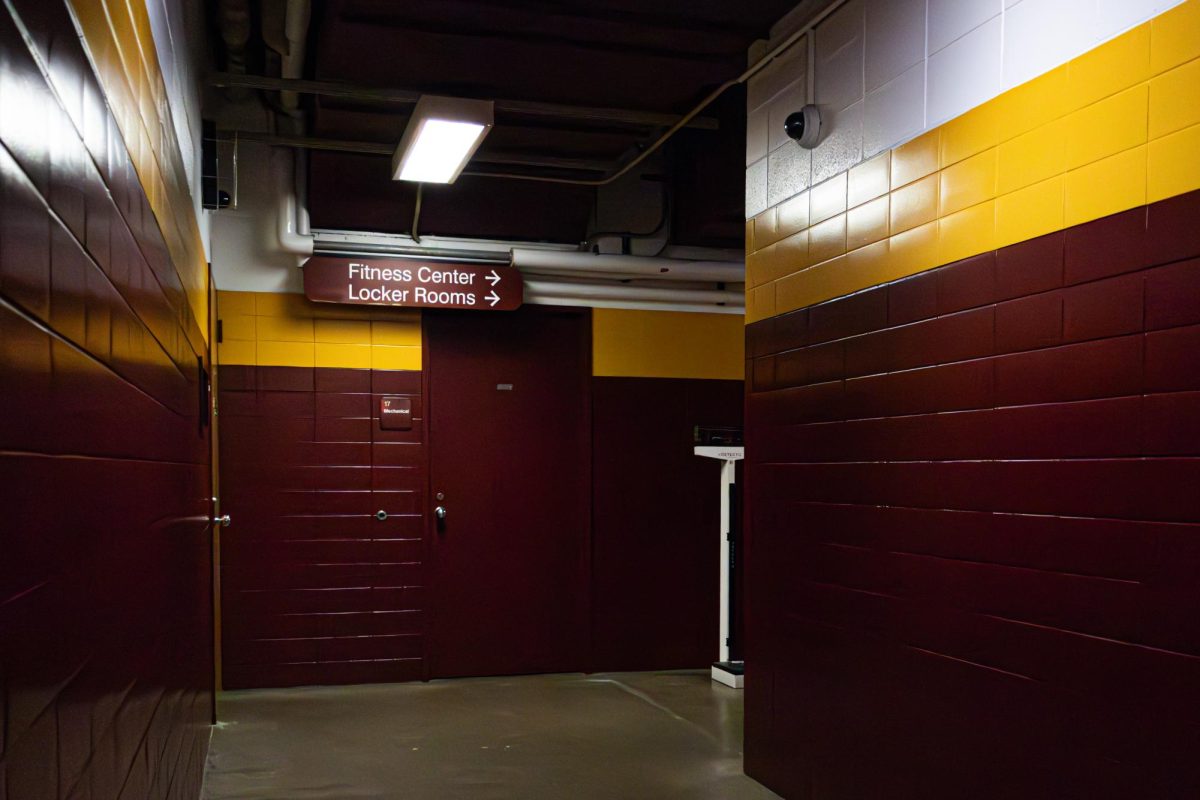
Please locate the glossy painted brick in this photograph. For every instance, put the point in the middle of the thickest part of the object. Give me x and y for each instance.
(1091, 138)
(1104, 368)
(761, 374)
(1028, 323)
(1172, 232)
(1173, 295)
(1094, 428)
(1031, 266)
(954, 337)
(1006, 532)
(967, 283)
(1171, 424)
(1104, 308)
(1173, 359)
(1107, 246)
(107, 687)
(306, 446)
(912, 299)
(846, 316)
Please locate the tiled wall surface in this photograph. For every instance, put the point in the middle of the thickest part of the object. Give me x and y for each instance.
(974, 527)
(664, 344)
(1112, 129)
(888, 70)
(312, 593)
(277, 329)
(655, 520)
(287, 330)
(315, 590)
(119, 40)
(105, 568)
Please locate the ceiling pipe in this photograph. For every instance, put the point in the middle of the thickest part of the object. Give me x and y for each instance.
(593, 291)
(295, 29)
(664, 268)
(608, 279)
(626, 281)
(524, 108)
(290, 219)
(653, 147)
(233, 20)
(300, 171)
(385, 149)
(695, 308)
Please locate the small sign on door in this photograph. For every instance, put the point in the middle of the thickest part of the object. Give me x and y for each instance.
(395, 413)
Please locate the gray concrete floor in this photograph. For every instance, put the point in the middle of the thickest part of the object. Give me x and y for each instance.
(658, 736)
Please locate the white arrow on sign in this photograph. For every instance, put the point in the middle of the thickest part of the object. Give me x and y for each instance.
(492, 279)
(495, 298)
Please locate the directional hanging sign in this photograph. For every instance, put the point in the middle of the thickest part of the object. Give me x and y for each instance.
(414, 284)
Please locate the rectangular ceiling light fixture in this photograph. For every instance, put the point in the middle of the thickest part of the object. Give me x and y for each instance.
(442, 135)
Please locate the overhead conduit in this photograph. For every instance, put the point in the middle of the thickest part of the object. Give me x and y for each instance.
(294, 236)
(292, 64)
(557, 276)
(608, 280)
(291, 229)
(617, 265)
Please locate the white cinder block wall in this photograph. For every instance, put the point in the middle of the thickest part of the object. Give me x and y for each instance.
(885, 71)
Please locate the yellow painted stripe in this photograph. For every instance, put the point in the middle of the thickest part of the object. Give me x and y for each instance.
(120, 43)
(287, 330)
(666, 344)
(1113, 129)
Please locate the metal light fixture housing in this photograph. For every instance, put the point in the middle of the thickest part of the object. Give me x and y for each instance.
(442, 135)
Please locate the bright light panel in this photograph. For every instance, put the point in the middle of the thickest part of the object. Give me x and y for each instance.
(442, 135)
(440, 150)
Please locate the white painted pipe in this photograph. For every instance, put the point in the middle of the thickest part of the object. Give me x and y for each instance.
(572, 276)
(695, 308)
(295, 28)
(617, 292)
(300, 173)
(665, 268)
(287, 233)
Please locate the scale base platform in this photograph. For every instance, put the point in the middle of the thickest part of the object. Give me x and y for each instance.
(730, 673)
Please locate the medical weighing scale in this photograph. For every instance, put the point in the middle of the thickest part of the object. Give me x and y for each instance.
(726, 670)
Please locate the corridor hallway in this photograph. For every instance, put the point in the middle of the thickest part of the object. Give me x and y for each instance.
(662, 735)
(355, 353)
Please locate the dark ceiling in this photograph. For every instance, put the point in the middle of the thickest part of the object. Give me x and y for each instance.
(642, 55)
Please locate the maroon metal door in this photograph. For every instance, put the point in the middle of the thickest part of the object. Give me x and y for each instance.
(510, 463)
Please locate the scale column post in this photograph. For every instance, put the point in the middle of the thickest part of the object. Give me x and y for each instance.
(726, 671)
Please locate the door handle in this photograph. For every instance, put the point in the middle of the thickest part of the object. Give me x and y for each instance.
(222, 520)
(440, 513)
(381, 515)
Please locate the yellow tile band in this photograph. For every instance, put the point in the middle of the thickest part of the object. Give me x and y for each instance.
(667, 344)
(1113, 129)
(121, 45)
(287, 330)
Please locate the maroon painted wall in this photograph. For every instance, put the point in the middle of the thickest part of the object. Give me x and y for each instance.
(973, 551)
(311, 592)
(655, 521)
(314, 589)
(105, 574)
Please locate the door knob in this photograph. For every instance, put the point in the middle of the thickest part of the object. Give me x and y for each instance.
(440, 512)
(222, 520)
(381, 515)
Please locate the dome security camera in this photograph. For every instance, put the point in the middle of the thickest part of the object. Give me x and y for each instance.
(804, 126)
